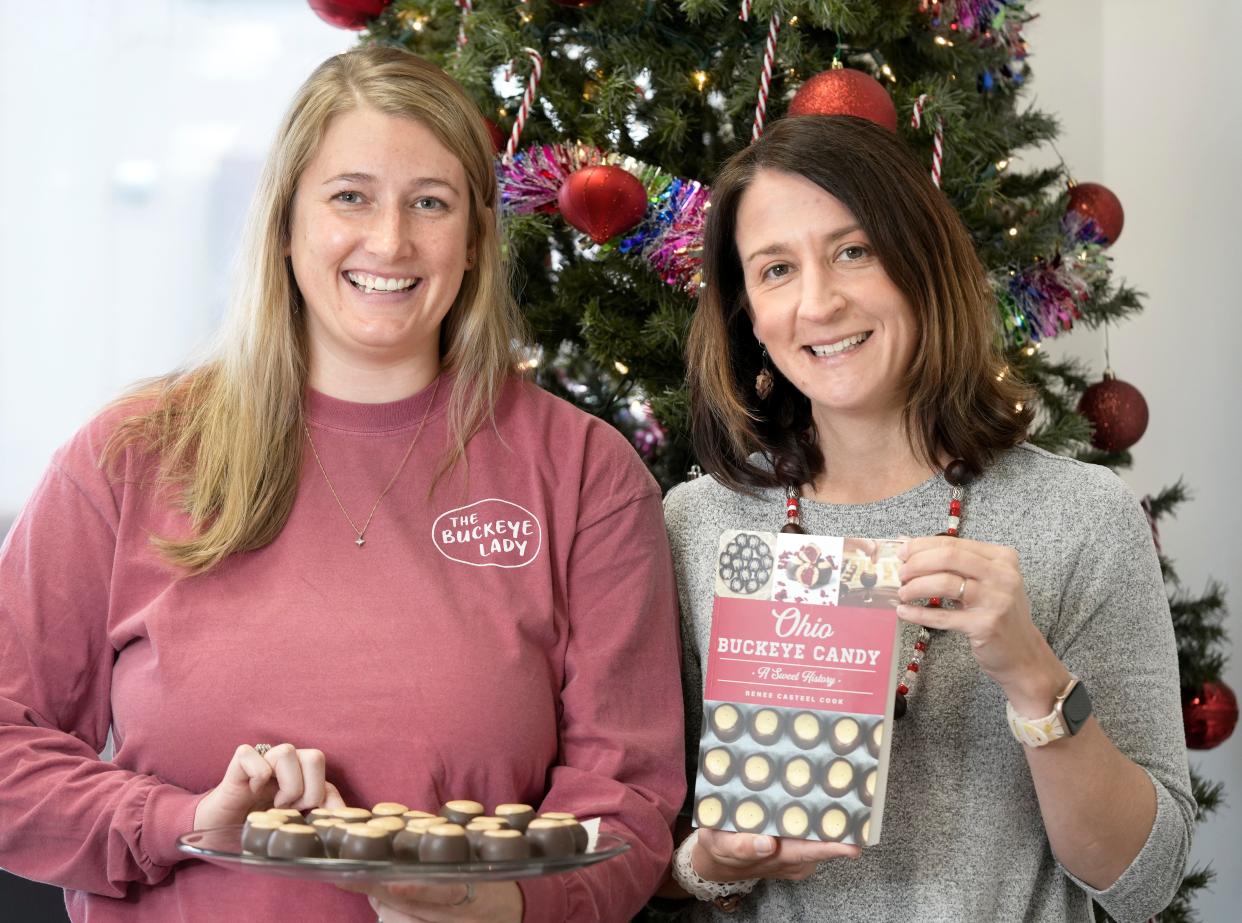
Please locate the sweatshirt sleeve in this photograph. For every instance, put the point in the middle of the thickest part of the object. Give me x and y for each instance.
(621, 723)
(70, 818)
(1115, 633)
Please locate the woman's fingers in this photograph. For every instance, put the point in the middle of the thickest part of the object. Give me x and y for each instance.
(332, 797)
(314, 785)
(944, 586)
(751, 856)
(247, 770)
(437, 895)
(288, 771)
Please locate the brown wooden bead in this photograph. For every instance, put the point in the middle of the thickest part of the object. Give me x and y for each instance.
(958, 473)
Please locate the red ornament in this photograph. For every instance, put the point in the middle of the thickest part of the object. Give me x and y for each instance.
(1210, 713)
(348, 14)
(1096, 202)
(1117, 412)
(842, 91)
(498, 137)
(603, 201)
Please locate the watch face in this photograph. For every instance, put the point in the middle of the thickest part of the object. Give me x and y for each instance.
(1077, 708)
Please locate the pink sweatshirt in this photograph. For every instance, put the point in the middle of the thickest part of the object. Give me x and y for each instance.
(511, 638)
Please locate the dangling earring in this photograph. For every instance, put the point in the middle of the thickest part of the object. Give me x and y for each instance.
(764, 380)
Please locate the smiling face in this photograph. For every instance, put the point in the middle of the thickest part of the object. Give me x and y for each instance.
(379, 241)
(833, 322)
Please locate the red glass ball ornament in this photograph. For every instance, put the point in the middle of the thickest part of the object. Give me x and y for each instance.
(602, 201)
(844, 91)
(1117, 412)
(498, 137)
(1091, 200)
(348, 14)
(1210, 713)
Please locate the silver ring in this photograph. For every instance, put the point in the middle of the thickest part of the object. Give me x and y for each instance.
(961, 594)
(467, 899)
(262, 749)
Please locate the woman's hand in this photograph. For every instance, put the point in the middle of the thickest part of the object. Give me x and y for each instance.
(722, 857)
(488, 902)
(284, 777)
(992, 611)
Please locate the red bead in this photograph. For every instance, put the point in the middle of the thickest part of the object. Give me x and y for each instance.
(933, 603)
(902, 689)
(920, 646)
(951, 531)
(913, 666)
(955, 507)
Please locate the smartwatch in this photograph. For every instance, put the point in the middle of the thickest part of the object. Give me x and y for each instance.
(1069, 713)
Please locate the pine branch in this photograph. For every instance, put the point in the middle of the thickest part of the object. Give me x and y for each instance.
(1165, 502)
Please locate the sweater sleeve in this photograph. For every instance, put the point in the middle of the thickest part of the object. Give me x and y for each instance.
(681, 536)
(70, 818)
(1116, 634)
(621, 723)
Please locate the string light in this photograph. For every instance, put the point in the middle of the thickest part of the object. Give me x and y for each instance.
(888, 72)
(525, 17)
(793, 20)
(1013, 232)
(1003, 372)
(941, 40)
(621, 368)
(1001, 164)
(1018, 407)
(700, 79)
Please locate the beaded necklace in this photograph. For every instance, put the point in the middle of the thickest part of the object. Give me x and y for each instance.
(957, 475)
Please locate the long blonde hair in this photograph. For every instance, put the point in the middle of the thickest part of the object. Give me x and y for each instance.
(228, 433)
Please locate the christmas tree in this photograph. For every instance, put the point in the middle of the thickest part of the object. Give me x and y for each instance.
(610, 117)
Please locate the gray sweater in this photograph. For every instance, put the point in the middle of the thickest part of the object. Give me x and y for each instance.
(963, 839)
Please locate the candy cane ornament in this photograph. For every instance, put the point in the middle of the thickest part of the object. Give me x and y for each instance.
(765, 78)
(916, 121)
(528, 99)
(467, 7)
(744, 14)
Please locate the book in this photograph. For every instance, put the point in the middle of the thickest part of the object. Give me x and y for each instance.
(800, 676)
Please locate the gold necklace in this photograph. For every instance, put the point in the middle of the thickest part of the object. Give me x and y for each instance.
(361, 533)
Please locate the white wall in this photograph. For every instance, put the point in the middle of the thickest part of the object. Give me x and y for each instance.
(1148, 99)
(130, 137)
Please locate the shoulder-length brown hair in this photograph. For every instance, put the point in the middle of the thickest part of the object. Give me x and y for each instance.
(957, 400)
(228, 433)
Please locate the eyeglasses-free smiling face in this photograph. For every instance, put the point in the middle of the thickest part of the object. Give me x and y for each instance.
(379, 241)
(832, 320)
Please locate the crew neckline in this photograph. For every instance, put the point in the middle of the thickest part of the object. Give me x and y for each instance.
(351, 416)
(876, 505)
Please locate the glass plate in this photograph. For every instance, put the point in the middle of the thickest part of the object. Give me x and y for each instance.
(222, 846)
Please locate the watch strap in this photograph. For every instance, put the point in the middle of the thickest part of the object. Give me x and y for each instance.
(1039, 732)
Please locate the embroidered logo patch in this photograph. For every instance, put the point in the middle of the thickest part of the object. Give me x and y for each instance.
(488, 533)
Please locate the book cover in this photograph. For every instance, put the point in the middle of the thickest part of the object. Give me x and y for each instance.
(800, 674)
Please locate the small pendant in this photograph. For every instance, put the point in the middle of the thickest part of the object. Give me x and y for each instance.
(360, 541)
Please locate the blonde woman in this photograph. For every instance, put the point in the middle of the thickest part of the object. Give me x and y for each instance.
(351, 558)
